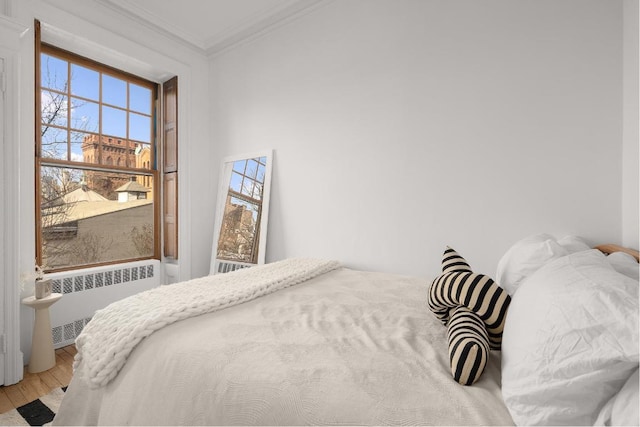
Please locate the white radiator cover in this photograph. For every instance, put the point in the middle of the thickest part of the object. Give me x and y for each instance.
(85, 291)
(223, 266)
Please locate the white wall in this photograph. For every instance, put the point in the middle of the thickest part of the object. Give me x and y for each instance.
(403, 126)
(631, 130)
(11, 43)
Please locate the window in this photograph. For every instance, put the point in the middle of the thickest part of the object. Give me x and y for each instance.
(96, 163)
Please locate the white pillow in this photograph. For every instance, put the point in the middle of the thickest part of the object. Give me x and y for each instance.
(573, 244)
(524, 258)
(570, 341)
(625, 264)
(625, 407)
(622, 409)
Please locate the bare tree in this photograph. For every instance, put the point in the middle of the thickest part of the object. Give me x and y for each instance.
(88, 248)
(143, 240)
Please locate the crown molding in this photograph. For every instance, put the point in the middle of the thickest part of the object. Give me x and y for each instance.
(249, 29)
(9, 23)
(261, 24)
(148, 19)
(94, 11)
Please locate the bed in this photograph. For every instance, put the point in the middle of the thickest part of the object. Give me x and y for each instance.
(334, 346)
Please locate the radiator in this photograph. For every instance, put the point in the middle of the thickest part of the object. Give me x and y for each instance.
(86, 291)
(223, 266)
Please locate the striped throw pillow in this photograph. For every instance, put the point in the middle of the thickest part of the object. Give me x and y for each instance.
(468, 345)
(459, 286)
(474, 308)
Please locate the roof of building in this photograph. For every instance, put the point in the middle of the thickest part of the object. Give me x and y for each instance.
(89, 209)
(83, 194)
(132, 187)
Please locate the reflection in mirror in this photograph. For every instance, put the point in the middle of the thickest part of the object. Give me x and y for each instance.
(239, 239)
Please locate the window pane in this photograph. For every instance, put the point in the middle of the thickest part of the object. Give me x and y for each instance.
(257, 191)
(118, 152)
(236, 182)
(139, 127)
(139, 99)
(143, 156)
(90, 217)
(85, 115)
(239, 166)
(85, 82)
(54, 143)
(114, 122)
(90, 146)
(55, 183)
(84, 147)
(114, 91)
(54, 108)
(247, 187)
(53, 73)
(260, 176)
(252, 169)
(238, 231)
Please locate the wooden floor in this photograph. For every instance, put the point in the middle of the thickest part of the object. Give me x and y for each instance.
(33, 386)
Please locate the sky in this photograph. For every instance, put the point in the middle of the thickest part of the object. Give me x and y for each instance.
(85, 108)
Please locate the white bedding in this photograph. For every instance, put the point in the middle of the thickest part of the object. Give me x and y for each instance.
(570, 341)
(347, 347)
(114, 331)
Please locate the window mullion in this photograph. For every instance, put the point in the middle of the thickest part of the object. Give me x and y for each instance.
(68, 112)
(100, 98)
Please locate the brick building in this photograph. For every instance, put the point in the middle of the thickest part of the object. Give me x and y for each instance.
(113, 151)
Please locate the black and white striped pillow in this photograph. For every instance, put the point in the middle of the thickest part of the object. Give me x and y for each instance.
(468, 345)
(459, 286)
(480, 308)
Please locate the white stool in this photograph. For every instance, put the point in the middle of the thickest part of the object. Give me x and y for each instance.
(42, 355)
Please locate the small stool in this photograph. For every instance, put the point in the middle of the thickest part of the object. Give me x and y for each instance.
(42, 355)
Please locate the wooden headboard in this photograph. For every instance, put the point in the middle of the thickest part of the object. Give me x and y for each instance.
(611, 248)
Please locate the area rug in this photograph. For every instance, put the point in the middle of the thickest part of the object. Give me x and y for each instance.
(40, 412)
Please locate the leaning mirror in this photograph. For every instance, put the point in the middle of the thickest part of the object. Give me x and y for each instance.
(242, 210)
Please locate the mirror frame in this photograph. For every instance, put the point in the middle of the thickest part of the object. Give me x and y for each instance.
(223, 188)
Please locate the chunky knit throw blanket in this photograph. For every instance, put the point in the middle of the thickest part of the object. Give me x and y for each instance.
(113, 332)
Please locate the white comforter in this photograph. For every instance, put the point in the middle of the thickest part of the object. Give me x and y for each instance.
(346, 347)
(105, 344)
